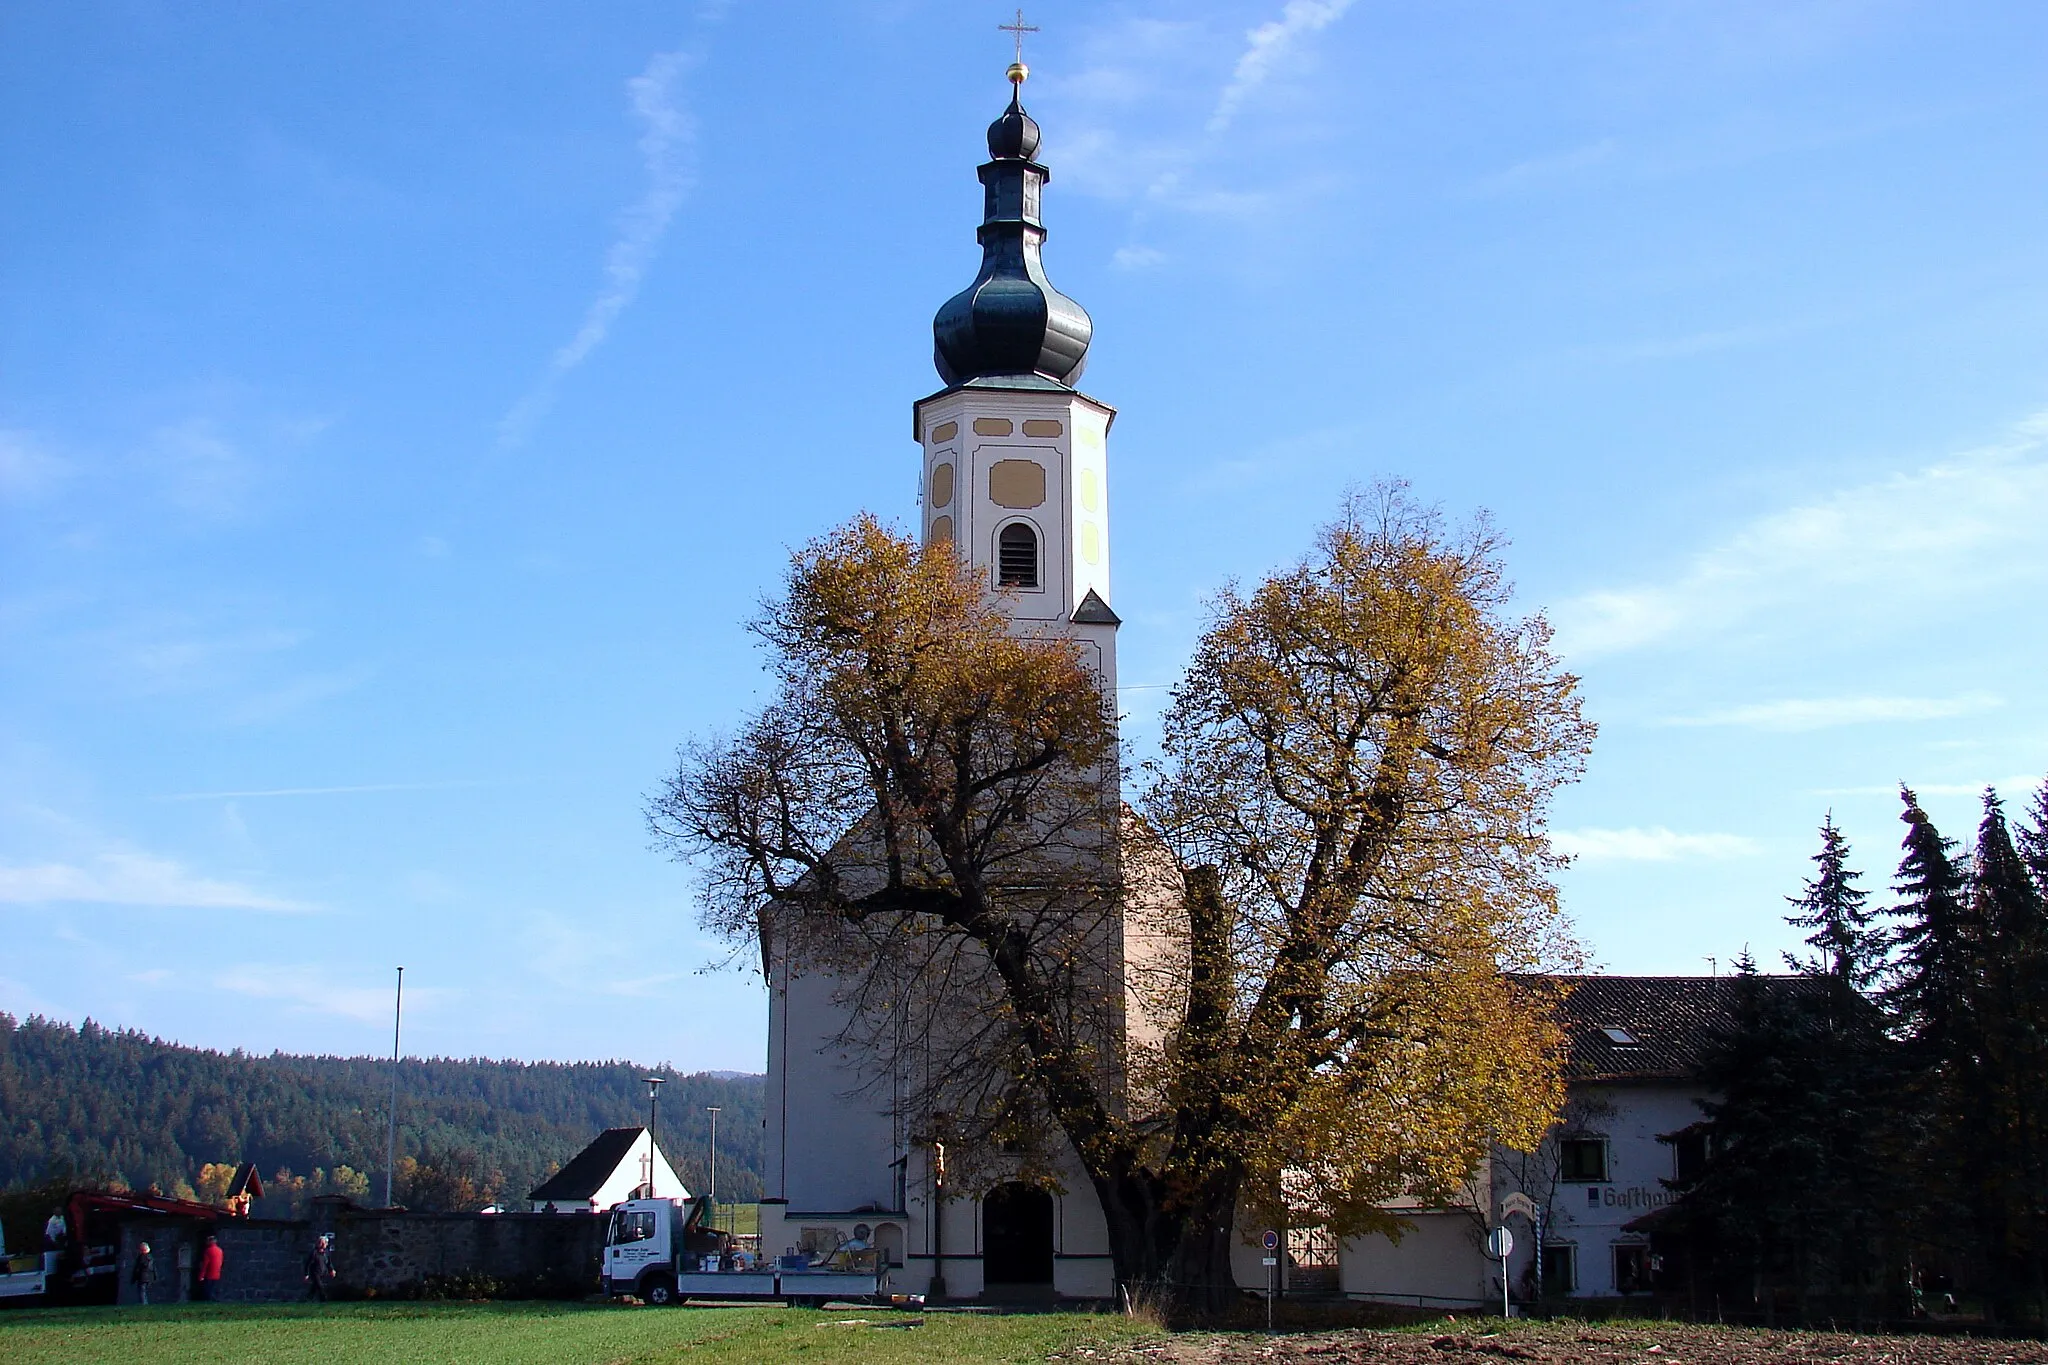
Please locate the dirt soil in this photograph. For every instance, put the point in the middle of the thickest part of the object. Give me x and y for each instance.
(1575, 1344)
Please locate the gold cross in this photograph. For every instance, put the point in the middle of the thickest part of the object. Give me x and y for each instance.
(1020, 28)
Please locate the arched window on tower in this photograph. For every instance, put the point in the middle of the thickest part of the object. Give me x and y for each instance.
(1017, 556)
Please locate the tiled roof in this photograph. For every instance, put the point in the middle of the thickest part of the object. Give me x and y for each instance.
(590, 1168)
(1645, 1028)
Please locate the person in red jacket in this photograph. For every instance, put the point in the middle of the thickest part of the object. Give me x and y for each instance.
(210, 1262)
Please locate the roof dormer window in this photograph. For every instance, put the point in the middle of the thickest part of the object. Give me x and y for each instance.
(1621, 1037)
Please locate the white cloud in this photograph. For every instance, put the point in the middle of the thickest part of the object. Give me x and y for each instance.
(1539, 170)
(1819, 713)
(310, 990)
(667, 139)
(564, 952)
(1267, 47)
(1918, 541)
(2011, 788)
(1653, 845)
(319, 791)
(127, 878)
(27, 470)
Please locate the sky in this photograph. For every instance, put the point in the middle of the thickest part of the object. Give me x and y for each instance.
(403, 407)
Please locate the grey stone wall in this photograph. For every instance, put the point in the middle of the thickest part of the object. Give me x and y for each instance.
(378, 1253)
(262, 1259)
(389, 1253)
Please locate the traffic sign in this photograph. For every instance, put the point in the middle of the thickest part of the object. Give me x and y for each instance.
(1270, 1240)
(1500, 1243)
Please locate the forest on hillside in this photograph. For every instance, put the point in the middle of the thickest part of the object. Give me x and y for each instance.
(96, 1105)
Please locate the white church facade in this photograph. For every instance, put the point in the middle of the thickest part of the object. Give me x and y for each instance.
(1014, 474)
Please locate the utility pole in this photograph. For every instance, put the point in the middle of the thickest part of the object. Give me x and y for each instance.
(391, 1134)
(654, 1084)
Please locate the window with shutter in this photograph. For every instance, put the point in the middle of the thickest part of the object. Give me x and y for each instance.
(1017, 556)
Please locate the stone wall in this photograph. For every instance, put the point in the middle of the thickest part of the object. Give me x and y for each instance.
(389, 1253)
(380, 1253)
(263, 1259)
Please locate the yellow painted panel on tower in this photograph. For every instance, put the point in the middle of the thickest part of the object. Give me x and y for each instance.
(1091, 493)
(992, 426)
(942, 485)
(1091, 542)
(1040, 426)
(945, 431)
(942, 530)
(1016, 483)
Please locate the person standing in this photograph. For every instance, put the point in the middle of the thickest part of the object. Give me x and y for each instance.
(210, 1262)
(320, 1268)
(141, 1272)
(54, 1231)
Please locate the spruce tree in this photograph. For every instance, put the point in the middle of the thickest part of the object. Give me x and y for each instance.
(1851, 948)
(2032, 839)
(1934, 985)
(1850, 1074)
(1772, 1209)
(2009, 1099)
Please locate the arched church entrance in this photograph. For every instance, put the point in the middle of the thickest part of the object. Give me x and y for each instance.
(1016, 1235)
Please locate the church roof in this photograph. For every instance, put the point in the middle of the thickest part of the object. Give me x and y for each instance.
(1011, 324)
(588, 1170)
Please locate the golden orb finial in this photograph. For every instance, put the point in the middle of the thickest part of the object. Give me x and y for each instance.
(1018, 71)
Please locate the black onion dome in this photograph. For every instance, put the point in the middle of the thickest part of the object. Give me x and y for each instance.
(1015, 134)
(1011, 322)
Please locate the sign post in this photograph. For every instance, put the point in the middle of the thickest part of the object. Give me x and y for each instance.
(1501, 1242)
(1270, 1240)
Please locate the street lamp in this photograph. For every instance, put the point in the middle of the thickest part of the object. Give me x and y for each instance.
(654, 1084)
(712, 1110)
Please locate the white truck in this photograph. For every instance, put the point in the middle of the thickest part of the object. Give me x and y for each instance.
(24, 1278)
(660, 1251)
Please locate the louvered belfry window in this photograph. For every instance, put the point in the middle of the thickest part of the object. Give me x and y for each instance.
(1017, 556)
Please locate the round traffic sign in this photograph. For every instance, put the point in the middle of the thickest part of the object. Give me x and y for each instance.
(1270, 1241)
(1500, 1243)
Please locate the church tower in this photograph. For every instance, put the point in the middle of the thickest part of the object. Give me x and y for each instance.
(1015, 468)
(1015, 480)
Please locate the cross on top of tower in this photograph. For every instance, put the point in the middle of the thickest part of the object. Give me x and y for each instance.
(1018, 71)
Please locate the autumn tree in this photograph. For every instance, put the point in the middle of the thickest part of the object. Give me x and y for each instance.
(1293, 983)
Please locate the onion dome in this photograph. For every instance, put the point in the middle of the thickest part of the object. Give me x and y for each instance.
(1011, 322)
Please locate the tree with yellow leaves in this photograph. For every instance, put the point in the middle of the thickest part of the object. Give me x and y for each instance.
(1346, 820)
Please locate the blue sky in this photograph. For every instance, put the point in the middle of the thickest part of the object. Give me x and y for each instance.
(401, 406)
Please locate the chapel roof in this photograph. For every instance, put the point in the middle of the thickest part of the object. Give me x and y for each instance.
(1648, 1028)
(588, 1170)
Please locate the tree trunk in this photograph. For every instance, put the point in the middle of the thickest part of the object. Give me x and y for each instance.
(1173, 1252)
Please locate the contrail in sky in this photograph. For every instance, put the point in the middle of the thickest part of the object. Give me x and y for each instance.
(667, 150)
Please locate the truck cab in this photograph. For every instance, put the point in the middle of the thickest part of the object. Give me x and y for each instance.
(25, 1277)
(639, 1247)
(663, 1251)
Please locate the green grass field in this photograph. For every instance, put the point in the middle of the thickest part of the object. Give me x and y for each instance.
(543, 1334)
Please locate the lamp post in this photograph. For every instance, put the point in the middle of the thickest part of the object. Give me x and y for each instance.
(712, 1110)
(654, 1084)
(391, 1134)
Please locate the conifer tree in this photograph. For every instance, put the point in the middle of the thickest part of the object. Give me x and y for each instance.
(2008, 1106)
(1835, 908)
(1933, 990)
(1849, 1068)
(2032, 839)
(1752, 1209)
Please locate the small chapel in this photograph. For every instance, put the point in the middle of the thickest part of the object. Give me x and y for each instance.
(1013, 458)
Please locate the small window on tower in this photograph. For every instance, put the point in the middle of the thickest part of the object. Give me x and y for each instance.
(1017, 556)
